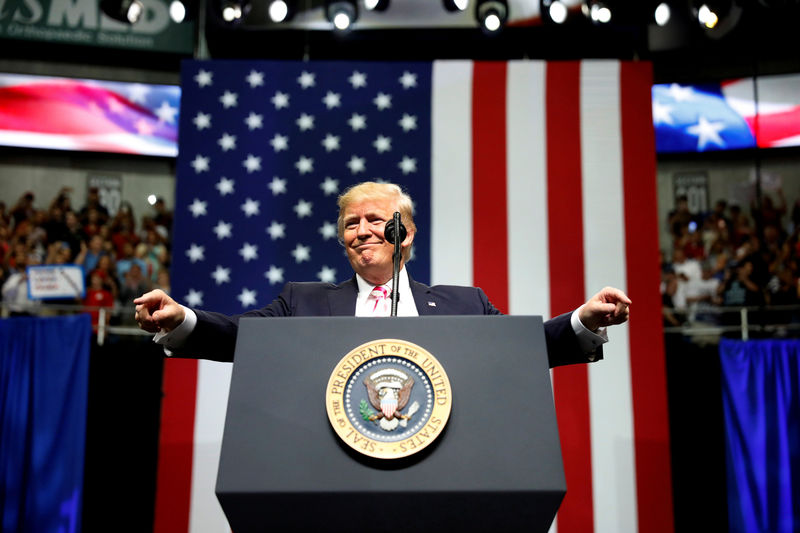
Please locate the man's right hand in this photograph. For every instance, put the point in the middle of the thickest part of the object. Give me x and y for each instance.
(155, 311)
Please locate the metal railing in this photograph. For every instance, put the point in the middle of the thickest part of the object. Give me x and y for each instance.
(710, 321)
(104, 316)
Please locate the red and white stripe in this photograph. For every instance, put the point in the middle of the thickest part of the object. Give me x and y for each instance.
(553, 168)
(192, 419)
(543, 192)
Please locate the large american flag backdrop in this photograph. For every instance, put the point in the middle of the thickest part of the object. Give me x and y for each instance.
(532, 180)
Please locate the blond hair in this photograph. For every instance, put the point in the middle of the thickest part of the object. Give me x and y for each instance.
(371, 190)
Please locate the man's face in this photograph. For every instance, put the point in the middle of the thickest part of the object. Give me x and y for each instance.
(369, 253)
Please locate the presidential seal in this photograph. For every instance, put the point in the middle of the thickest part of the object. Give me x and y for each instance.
(388, 398)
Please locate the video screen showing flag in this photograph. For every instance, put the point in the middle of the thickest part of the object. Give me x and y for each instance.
(729, 115)
(89, 115)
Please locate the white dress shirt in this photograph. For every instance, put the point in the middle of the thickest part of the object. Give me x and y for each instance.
(405, 300)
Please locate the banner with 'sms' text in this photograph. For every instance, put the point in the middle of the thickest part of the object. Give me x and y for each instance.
(81, 22)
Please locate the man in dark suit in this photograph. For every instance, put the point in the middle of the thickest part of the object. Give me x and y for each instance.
(364, 210)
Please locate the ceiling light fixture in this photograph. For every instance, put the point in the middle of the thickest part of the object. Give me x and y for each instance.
(177, 11)
(341, 13)
(278, 11)
(491, 15)
(663, 14)
(554, 11)
(234, 11)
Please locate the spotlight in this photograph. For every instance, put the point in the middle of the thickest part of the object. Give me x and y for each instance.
(279, 11)
(663, 14)
(341, 14)
(455, 5)
(597, 12)
(177, 11)
(376, 5)
(717, 17)
(707, 17)
(182, 10)
(129, 11)
(491, 15)
(558, 12)
(233, 11)
(554, 11)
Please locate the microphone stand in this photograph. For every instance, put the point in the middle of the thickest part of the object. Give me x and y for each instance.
(396, 261)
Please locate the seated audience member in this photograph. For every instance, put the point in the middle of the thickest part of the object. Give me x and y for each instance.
(106, 265)
(58, 253)
(134, 283)
(93, 203)
(15, 288)
(739, 289)
(162, 281)
(128, 259)
(91, 253)
(74, 235)
(122, 230)
(672, 318)
(98, 295)
(23, 209)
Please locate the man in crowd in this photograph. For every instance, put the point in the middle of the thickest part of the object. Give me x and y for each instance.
(364, 210)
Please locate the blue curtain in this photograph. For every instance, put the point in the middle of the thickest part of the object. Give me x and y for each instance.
(44, 374)
(761, 400)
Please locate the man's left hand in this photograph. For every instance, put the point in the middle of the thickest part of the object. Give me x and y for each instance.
(606, 308)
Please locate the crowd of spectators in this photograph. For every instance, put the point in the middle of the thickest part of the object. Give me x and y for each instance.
(729, 258)
(120, 260)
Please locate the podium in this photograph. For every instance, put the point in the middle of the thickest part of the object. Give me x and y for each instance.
(496, 466)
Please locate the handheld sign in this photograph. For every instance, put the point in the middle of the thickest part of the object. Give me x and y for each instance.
(55, 282)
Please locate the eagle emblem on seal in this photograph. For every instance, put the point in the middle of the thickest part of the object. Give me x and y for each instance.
(388, 391)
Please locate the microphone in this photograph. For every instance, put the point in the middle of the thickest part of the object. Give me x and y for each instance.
(389, 231)
(395, 232)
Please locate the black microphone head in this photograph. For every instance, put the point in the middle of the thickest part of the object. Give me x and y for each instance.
(389, 230)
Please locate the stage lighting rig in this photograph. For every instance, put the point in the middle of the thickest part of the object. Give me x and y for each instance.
(177, 11)
(662, 14)
(280, 10)
(554, 11)
(341, 13)
(716, 17)
(183, 10)
(234, 11)
(491, 15)
(597, 11)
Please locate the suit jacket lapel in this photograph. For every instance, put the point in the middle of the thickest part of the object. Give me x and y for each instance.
(342, 299)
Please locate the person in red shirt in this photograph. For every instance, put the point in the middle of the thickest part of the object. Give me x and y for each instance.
(98, 295)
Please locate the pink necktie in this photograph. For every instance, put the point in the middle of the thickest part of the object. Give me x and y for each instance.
(382, 301)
